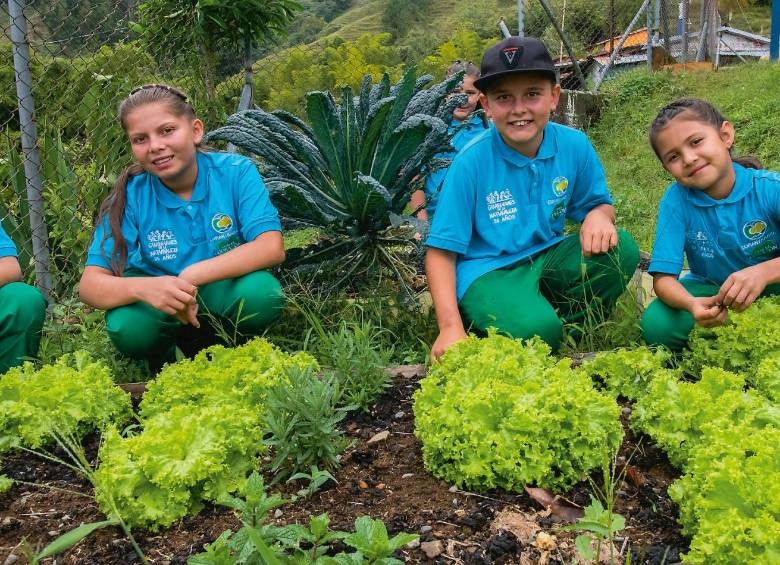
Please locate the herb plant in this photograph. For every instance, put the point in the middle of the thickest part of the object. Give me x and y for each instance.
(499, 413)
(349, 170)
(302, 420)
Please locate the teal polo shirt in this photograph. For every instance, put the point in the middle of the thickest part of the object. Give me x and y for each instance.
(719, 237)
(7, 247)
(464, 134)
(165, 234)
(498, 207)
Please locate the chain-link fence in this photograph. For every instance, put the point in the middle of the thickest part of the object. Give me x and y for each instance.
(61, 147)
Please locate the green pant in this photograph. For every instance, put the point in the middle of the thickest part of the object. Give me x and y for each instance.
(557, 286)
(246, 305)
(663, 325)
(22, 309)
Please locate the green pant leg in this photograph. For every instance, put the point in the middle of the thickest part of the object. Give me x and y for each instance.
(663, 325)
(510, 300)
(579, 286)
(251, 302)
(142, 332)
(22, 310)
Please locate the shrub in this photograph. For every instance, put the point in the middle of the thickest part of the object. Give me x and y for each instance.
(499, 413)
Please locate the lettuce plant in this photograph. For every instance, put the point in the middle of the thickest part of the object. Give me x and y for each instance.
(729, 497)
(740, 345)
(202, 434)
(498, 413)
(674, 412)
(74, 395)
(349, 170)
(626, 372)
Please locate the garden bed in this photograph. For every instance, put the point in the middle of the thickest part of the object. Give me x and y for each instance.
(384, 479)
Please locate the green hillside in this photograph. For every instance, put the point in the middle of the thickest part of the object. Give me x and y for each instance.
(742, 93)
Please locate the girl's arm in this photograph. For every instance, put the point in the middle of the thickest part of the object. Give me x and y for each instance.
(101, 289)
(440, 268)
(417, 200)
(266, 250)
(742, 288)
(9, 270)
(706, 311)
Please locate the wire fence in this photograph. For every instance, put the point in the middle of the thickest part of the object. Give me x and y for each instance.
(61, 147)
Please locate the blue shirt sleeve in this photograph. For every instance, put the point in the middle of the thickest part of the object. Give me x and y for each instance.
(454, 220)
(7, 247)
(256, 214)
(590, 189)
(129, 230)
(669, 245)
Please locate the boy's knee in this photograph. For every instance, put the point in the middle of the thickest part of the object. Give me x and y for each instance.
(548, 327)
(663, 325)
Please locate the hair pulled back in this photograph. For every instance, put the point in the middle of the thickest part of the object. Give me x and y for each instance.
(701, 111)
(113, 207)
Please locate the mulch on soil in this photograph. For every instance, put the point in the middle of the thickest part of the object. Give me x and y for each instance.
(384, 479)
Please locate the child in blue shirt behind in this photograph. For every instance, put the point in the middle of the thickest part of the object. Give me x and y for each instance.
(465, 125)
(722, 213)
(497, 255)
(183, 239)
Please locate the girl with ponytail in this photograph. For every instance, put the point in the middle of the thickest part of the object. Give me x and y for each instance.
(184, 238)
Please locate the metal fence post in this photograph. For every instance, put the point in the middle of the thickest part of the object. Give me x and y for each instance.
(649, 38)
(684, 30)
(774, 34)
(32, 158)
(521, 18)
(614, 54)
(566, 44)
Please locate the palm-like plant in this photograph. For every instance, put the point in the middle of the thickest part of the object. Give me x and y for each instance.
(350, 170)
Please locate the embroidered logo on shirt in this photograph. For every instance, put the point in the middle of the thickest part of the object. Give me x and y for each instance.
(162, 244)
(501, 206)
(559, 185)
(754, 229)
(221, 222)
(558, 211)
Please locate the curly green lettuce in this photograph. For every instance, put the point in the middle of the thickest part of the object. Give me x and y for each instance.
(72, 397)
(499, 413)
(626, 372)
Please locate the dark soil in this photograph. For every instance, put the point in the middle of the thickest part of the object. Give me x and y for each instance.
(385, 480)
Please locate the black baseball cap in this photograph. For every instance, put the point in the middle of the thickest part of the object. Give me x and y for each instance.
(515, 55)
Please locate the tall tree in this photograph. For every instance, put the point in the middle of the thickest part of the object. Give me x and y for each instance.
(193, 31)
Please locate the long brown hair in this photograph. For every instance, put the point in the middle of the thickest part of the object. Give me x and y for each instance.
(113, 207)
(701, 111)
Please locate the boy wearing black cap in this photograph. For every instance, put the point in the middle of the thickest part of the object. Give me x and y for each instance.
(496, 252)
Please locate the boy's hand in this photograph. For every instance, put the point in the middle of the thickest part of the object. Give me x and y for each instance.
(742, 288)
(598, 233)
(446, 338)
(708, 312)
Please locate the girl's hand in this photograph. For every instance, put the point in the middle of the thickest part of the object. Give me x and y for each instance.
(708, 312)
(742, 288)
(172, 295)
(189, 315)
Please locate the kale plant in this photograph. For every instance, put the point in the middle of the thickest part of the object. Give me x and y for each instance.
(349, 170)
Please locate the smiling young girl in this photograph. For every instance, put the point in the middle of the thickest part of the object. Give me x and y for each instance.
(184, 236)
(723, 213)
(465, 124)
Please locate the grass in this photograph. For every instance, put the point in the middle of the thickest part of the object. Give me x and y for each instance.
(636, 179)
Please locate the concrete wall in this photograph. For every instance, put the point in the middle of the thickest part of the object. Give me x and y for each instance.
(577, 109)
